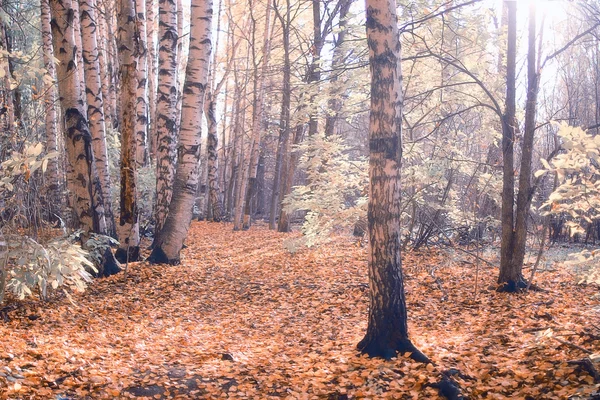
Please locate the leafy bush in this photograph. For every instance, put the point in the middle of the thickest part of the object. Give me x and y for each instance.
(27, 265)
(334, 196)
(30, 266)
(578, 195)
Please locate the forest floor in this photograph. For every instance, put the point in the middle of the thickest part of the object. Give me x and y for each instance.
(243, 318)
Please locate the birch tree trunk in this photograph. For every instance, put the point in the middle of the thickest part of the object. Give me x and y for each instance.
(141, 120)
(128, 229)
(95, 108)
(78, 140)
(212, 142)
(387, 331)
(152, 74)
(335, 103)
(170, 242)
(103, 64)
(55, 187)
(166, 113)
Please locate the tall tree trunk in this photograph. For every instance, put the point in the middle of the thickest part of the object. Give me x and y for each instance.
(78, 140)
(257, 118)
(8, 110)
(511, 276)
(95, 108)
(152, 74)
(335, 103)
(287, 178)
(387, 331)
(55, 187)
(284, 120)
(129, 46)
(166, 113)
(509, 125)
(170, 241)
(141, 120)
(212, 158)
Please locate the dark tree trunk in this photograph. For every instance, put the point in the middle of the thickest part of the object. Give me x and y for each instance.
(514, 231)
(387, 331)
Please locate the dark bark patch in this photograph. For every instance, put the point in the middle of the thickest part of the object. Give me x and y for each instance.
(158, 256)
(134, 254)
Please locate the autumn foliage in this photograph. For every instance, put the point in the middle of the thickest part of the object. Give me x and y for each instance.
(242, 318)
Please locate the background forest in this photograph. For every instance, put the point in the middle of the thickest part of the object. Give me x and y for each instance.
(122, 121)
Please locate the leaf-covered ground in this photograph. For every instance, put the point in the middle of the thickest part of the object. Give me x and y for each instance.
(242, 318)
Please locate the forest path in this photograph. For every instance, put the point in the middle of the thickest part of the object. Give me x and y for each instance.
(242, 318)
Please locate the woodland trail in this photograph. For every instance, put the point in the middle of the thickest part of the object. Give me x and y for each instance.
(242, 318)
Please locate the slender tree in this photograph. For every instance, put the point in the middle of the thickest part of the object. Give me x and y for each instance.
(95, 107)
(514, 219)
(170, 241)
(78, 140)
(128, 41)
(166, 112)
(387, 331)
(284, 120)
(141, 120)
(259, 78)
(55, 187)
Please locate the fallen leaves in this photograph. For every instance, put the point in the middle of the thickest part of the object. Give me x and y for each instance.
(241, 318)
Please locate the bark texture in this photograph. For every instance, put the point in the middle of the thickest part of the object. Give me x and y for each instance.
(95, 106)
(128, 229)
(170, 241)
(78, 140)
(514, 219)
(55, 184)
(166, 126)
(387, 331)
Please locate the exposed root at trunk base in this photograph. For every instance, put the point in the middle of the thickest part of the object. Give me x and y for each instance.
(517, 286)
(448, 387)
(158, 256)
(134, 255)
(110, 265)
(376, 347)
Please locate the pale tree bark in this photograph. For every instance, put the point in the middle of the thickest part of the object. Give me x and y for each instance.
(284, 119)
(103, 64)
(55, 186)
(166, 113)
(151, 29)
(78, 140)
(212, 142)
(257, 115)
(141, 120)
(170, 242)
(514, 222)
(95, 108)
(387, 331)
(7, 97)
(335, 103)
(128, 42)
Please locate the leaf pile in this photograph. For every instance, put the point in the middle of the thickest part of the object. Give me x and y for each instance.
(242, 318)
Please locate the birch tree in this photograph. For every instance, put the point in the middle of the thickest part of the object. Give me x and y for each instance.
(141, 120)
(387, 331)
(95, 107)
(170, 241)
(166, 110)
(78, 140)
(50, 98)
(128, 228)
